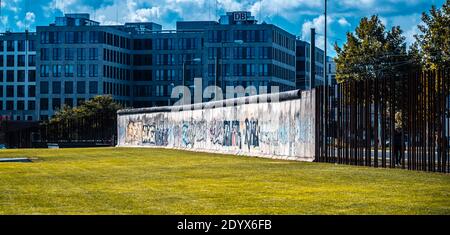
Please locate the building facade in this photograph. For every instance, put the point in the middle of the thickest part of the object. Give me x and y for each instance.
(18, 76)
(138, 64)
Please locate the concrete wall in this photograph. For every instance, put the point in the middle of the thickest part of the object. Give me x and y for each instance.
(283, 129)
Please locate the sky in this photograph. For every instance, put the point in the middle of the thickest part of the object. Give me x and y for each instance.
(295, 16)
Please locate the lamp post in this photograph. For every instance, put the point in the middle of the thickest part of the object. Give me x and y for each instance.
(219, 62)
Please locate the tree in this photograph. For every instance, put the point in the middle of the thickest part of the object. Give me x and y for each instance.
(100, 105)
(433, 42)
(372, 52)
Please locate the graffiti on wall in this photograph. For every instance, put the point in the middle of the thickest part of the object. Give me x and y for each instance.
(264, 129)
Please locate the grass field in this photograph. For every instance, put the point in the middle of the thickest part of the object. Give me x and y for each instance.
(158, 181)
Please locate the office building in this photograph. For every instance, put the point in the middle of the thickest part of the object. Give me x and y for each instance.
(18, 76)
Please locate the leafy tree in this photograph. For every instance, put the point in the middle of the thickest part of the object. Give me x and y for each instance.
(433, 42)
(372, 52)
(99, 105)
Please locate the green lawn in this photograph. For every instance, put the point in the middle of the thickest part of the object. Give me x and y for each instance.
(158, 181)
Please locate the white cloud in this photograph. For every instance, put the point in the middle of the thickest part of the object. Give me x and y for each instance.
(317, 23)
(343, 22)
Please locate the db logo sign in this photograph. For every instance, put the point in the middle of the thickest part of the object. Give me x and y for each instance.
(240, 16)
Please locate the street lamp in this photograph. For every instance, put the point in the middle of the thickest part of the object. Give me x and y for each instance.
(219, 62)
(171, 85)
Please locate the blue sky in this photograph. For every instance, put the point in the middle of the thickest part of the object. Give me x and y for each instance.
(295, 16)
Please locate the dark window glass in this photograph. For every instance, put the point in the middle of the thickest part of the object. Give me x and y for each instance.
(9, 105)
(32, 60)
(68, 102)
(56, 87)
(21, 75)
(31, 75)
(10, 45)
(68, 87)
(21, 45)
(31, 105)
(9, 91)
(21, 91)
(81, 87)
(21, 60)
(93, 87)
(44, 104)
(44, 87)
(56, 103)
(10, 75)
(10, 60)
(31, 91)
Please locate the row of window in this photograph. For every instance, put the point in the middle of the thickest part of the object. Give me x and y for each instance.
(68, 69)
(240, 52)
(116, 89)
(56, 87)
(149, 90)
(56, 104)
(20, 59)
(247, 70)
(116, 57)
(18, 91)
(283, 40)
(71, 37)
(20, 76)
(216, 36)
(69, 54)
(10, 45)
(19, 105)
(116, 73)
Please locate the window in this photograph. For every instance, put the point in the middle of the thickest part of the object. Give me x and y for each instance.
(31, 105)
(21, 60)
(57, 54)
(93, 53)
(57, 70)
(20, 105)
(93, 70)
(31, 91)
(9, 105)
(68, 70)
(56, 87)
(69, 54)
(1, 60)
(68, 102)
(9, 45)
(10, 76)
(1, 76)
(44, 87)
(21, 75)
(81, 54)
(45, 54)
(32, 60)
(9, 91)
(68, 87)
(70, 37)
(45, 70)
(1, 47)
(21, 45)
(81, 87)
(93, 87)
(32, 45)
(44, 104)
(56, 103)
(31, 75)
(94, 37)
(21, 91)
(10, 60)
(81, 70)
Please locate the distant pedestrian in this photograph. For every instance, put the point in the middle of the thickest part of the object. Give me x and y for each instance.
(397, 147)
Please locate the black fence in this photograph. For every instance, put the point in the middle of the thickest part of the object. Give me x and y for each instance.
(96, 130)
(397, 121)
